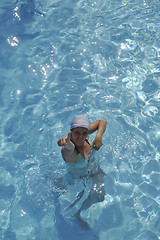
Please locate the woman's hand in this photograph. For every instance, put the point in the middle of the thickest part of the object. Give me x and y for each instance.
(68, 148)
(97, 143)
(64, 140)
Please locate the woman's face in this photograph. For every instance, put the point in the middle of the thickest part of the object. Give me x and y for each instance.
(79, 134)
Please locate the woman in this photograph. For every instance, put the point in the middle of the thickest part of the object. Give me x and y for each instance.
(76, 146)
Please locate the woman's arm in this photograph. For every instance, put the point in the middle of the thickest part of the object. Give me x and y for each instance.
(68, 150)
(100, 127)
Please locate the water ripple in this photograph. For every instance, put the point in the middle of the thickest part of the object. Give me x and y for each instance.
(58, 59)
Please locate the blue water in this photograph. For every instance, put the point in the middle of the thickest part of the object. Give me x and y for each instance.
(62, 58)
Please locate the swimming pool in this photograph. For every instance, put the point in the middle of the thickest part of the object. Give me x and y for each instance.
(62, 58)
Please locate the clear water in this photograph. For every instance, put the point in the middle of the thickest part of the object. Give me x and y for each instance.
(60, 58)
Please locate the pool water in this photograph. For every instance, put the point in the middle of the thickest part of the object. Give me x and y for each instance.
(62, 58)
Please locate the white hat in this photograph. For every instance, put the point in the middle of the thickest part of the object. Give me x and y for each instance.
(80, 121)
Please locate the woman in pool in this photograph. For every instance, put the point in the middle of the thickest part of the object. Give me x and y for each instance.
(76, 146)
